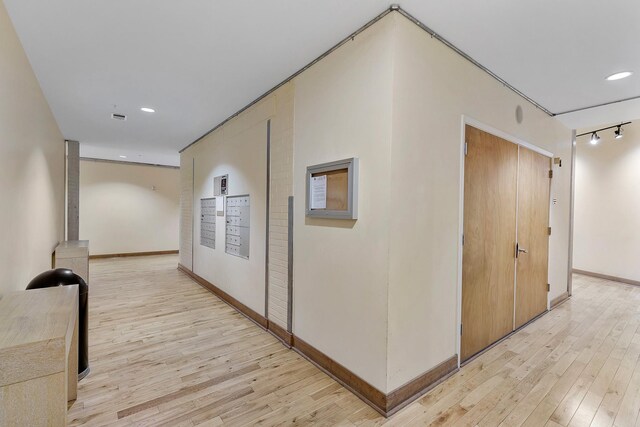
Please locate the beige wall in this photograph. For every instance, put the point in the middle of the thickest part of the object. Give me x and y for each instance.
(121, 212)
(433, 89)
(379, 294)
(342, 110)
(607, 204)
(31, 168)
(186, 211)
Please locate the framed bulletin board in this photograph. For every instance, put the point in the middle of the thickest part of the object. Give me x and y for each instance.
(332, 190)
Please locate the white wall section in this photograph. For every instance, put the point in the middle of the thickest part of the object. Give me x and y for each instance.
(31, 168)
(128, 208)
(607, 206)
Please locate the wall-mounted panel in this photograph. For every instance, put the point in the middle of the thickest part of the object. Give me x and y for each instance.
(332, 190)
(208, 222)
(238, 226)
(220, 185)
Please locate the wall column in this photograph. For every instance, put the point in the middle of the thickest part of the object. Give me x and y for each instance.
(73, 190)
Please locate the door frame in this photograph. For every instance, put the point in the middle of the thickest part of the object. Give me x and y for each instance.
(466, 120)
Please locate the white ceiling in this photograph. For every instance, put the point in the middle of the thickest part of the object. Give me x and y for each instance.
(199, 61)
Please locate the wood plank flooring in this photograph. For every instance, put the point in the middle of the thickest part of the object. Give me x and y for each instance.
(165, 352)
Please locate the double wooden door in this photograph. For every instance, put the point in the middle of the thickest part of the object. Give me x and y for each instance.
(506, 239)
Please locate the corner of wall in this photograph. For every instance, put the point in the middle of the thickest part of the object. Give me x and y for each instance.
(395, 16)
(343, 109)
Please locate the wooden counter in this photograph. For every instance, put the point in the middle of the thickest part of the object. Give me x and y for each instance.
(38, 355)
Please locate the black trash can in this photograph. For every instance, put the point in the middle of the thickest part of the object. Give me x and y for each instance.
(63, 277)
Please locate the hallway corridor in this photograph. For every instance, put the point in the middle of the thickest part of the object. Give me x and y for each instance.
(164, 351)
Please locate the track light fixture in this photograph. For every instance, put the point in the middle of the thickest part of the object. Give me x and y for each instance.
(595, 138)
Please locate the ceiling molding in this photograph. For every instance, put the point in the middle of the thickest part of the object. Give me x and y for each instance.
(122, 162)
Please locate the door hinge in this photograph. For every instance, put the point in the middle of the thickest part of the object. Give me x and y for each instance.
(549, 231)
(548, 287)
(463, 240)
(551, 174)
(466, 148)
(460, 329)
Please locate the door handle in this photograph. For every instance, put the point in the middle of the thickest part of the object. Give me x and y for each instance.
(520, 250)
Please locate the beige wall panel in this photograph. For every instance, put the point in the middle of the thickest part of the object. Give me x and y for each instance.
(342, 110)
(127, 208)
(186, 211)
(255, 114)
(31, 168)
(433, 88)
(243, 156)
(281, 189)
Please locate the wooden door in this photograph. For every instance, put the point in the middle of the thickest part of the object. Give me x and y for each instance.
(533, 235)
(488, 265)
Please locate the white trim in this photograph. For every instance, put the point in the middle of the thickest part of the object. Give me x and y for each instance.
(466, 120)
(549, 238)
(517, 247)
(572, 197)
(460, 248)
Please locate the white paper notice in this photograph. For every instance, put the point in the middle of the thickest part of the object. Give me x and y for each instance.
(318, 192)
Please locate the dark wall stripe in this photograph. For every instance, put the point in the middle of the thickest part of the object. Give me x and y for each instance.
(290, 268)
(266, 253)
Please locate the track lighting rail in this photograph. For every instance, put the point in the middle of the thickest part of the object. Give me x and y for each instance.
(591, 132)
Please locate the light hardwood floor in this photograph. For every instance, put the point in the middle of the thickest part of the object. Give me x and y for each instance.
(164, 351)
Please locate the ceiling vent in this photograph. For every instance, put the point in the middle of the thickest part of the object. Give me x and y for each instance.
(117, 116)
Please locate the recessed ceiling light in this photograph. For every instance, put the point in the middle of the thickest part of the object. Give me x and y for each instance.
(123, 157)
(618, 76)
(148, 110)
